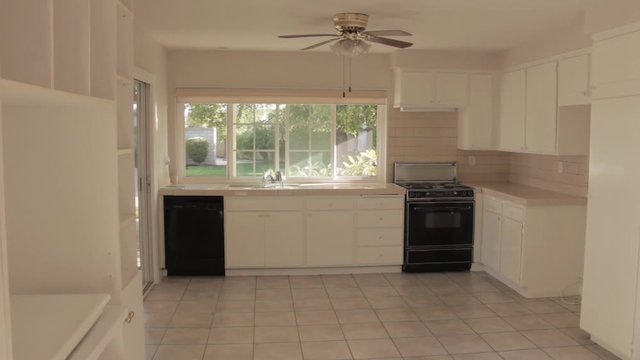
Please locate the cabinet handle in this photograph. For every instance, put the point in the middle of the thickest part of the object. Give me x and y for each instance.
(130, 317)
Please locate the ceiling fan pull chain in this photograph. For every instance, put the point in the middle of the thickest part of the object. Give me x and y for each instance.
(344, 61)
(350, 74)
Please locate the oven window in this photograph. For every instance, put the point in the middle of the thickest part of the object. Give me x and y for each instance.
(439, 220)
(439, 224)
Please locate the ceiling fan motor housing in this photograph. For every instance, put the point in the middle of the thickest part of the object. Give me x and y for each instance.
(350, 22)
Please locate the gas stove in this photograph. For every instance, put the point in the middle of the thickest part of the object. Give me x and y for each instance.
(439, 215)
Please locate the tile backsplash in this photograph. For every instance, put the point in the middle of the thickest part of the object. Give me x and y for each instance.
(564, 174)
(432, 136)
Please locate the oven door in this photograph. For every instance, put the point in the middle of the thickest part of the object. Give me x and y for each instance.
(442, 224)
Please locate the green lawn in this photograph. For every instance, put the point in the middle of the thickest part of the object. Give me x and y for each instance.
(243, 170)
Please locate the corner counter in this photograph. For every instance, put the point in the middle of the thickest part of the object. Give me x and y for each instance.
(526, 195)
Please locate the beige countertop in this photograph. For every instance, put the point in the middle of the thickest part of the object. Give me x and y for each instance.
(288, 190)
(526, 195)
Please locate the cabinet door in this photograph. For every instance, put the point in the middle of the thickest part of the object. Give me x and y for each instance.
(133, 331)
(511, 249)
(330, 238)
(452, 89)
(616, 66)
(417, 89)
(512, 111)
(475, 123)
(573, 80)
(542, 108)
(491, 240)
(244, 240)
(284, 236)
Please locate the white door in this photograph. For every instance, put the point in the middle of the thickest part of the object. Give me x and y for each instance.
(491, 240)
(284, 237)
(141, 128)
(330, 238)
(541, 108)
(244, 239)
(512, 111)
(511, 249)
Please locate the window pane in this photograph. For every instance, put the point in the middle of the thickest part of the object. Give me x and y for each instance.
(309, 129)
(244, 137)
(356, 140)
(265, 137)
(205, 136)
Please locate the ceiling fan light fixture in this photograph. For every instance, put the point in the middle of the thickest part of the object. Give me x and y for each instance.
(348, 47)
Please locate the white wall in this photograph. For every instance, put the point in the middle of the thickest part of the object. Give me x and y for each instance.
(568, 38)
(606, 14)
(151, 57)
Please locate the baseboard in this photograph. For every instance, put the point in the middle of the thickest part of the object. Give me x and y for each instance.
(315, 271)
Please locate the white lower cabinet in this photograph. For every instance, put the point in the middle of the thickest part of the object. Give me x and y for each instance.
(537, 250)
(330, 238)
(380, 224)
(305, 231)
(265, 238)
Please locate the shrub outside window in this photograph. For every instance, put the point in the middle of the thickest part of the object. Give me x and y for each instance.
(306, 141)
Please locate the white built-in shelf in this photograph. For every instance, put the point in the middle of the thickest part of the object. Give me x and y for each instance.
(19, 94)
(128, 250)
(71, 46)
(127, 5)
(125, 151)
(103, 48)
(51, 326)
(127, 219)
(126, 184)
(101, 334)
(124, 42)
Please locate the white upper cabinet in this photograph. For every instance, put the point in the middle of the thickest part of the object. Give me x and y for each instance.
(512, 111)
(427, 89)
(532, 119)
(616, 65)
(475, 122)
(573, 80)
(541, 108)
(451, 89)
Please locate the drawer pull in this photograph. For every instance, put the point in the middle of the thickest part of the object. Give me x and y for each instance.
(130, 317)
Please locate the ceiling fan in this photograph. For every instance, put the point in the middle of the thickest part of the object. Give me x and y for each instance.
(351, 28)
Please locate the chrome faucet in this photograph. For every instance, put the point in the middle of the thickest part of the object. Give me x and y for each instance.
(270, 177)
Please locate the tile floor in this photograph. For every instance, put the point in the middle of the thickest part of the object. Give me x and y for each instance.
(457, 316)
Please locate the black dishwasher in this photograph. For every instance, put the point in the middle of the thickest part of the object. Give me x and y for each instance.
(194, 235)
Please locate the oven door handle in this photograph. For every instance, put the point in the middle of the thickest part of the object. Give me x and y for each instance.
(435, 208)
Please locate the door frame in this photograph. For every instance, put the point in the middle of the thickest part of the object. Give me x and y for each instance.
(152, 229)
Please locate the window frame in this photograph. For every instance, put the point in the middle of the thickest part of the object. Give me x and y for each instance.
(377, 98)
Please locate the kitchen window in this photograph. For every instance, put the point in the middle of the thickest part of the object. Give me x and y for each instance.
(315, 141)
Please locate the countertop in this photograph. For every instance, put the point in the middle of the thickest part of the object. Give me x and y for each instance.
(526, 195)
(343, 189)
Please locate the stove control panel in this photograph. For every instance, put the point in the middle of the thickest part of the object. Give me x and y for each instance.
(419, 194)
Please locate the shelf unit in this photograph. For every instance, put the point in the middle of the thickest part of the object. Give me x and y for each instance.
(67, 165)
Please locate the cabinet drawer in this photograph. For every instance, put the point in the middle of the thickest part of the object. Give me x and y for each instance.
(330, 204)
(380, 218)
(384, 236)
(262, 204)
(492, 204)
(381, 203)
(387, 255)
(514, 212)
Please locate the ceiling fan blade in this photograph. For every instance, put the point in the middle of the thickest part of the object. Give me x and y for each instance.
(387, 33)
(306, 35)
(320, 44)
(390, 42)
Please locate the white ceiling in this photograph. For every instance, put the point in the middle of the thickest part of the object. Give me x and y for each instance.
(435, 24)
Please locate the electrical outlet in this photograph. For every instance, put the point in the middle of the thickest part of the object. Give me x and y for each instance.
(560, 167)
(472, 160)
